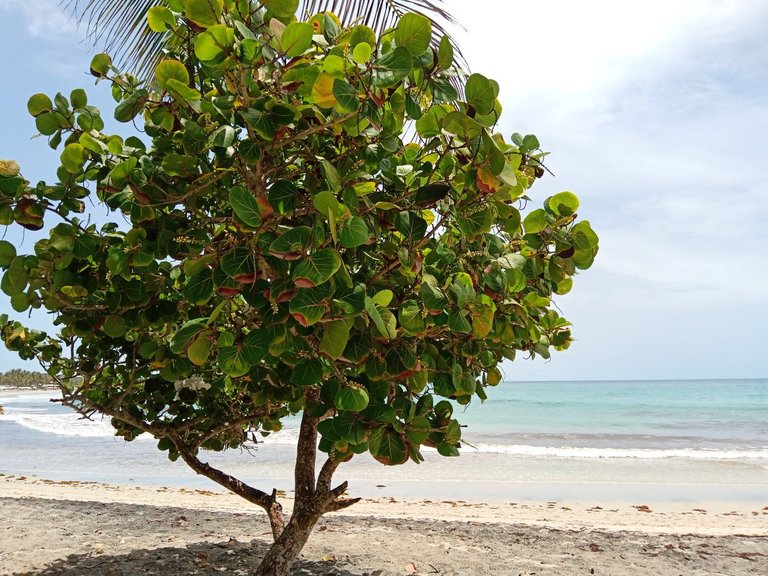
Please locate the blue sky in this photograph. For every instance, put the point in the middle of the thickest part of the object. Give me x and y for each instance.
(656, 114)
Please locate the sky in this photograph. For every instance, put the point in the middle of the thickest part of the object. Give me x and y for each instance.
(656, 116)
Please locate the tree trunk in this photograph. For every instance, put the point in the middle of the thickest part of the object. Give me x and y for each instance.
(314, 497)
(286, 549)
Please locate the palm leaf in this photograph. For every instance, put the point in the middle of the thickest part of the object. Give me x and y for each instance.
(120, 26)
(383, 14)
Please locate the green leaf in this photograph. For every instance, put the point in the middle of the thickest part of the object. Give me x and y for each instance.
(240, 265)
(200, 350)
(411, 225)
(354, 232)
(131, 106)
(334, 183)
(282, 196)
(79, 98)
(188, 332)
(244, 206)
(260, 122)
(255, 346)
(183, 92)
(342, 427)
(204, 13)
(445, 53)
(462, 126)
(431, 295)
(180, 165)
(475, 223)
(308, 306)
(383, 297)
(100, 64)
(160, 19)
(114, 326)
(232, 363)
(73, 158)
(458, 322)
(383, 319)
(563, 203)
(362, 52)
(428, 126)
(281, 8)
(296, 38)
(199, 288)
(292, 244)
(391, 68)
(414, 33)
(307, 373)
(214, 42)
(346, 95)
(351, 398)
(39, 103)
(15, 277)
(362, 34)
(120, 173)
(335, 338)
(482, 313)
(388, 447)
(480, 93)
(7, 253)
(168, 69)
(535, 222)
(411, 319)
(429, 195)
(530, 143)
(316, 268)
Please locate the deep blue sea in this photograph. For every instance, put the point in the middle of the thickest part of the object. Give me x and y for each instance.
(697, 438)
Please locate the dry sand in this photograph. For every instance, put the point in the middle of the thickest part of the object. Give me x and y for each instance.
(72, 528)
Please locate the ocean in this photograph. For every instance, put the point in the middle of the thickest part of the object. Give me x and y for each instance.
(677, 440)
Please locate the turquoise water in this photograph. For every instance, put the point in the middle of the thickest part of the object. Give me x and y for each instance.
(663, 440)
(723, 415)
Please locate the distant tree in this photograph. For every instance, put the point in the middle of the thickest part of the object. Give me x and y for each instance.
(19, 378)
(319, 225)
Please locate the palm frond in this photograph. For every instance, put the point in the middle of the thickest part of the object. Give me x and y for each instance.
(383, 14)
(120, 27)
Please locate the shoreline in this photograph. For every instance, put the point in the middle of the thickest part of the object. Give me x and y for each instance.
(58, 528)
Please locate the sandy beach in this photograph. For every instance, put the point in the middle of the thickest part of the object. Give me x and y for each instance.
(76, 528)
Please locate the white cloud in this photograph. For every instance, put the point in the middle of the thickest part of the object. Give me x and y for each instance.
(43, 18)
(656, 115)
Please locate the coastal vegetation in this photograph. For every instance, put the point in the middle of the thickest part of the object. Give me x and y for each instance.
(317, 221)
(18, 378)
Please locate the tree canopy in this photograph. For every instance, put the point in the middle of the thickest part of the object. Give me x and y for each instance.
(314, 222)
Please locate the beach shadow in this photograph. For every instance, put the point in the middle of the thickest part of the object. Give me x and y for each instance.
(231, 558)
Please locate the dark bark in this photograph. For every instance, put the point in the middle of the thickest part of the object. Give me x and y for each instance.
(314, 497)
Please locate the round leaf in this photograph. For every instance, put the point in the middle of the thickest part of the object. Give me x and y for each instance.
(351, 398)
(296, 38)
(214, 42)
(160, 19)
(414, 33)
(244, 205)
(480, 93)
(171, 69)
(39, 103)
(100, 64)
(7, 253)
(204, 13)
(316, 268)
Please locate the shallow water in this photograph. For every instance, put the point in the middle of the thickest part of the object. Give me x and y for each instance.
(676, 441)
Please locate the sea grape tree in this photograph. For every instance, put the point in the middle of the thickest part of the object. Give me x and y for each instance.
(314, 221)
